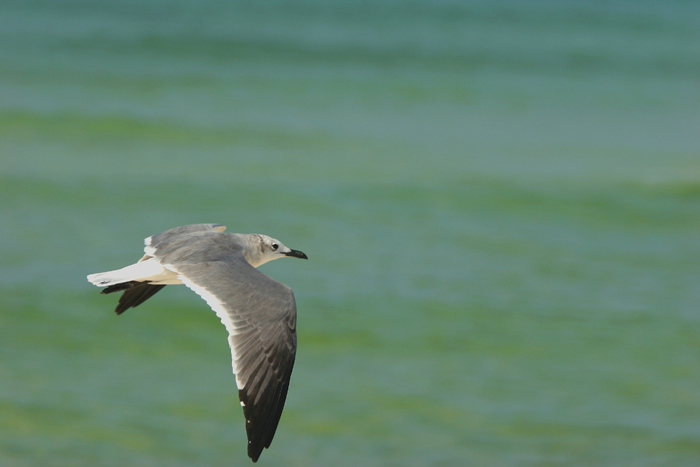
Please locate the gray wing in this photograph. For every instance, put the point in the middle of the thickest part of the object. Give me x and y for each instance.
(177, 237)
(260, 316)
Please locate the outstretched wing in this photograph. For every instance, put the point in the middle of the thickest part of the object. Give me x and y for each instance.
(260, 316)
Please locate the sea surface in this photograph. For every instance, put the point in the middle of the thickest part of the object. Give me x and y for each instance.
(500, 202)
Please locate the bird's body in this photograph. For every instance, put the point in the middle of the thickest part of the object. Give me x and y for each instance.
(258, 312)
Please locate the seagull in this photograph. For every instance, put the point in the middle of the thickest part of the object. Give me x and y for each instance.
(259, 313)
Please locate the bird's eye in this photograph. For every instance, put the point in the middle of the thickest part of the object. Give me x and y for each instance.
(275, 246)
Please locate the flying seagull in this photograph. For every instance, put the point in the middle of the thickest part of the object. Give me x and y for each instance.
(258, 312)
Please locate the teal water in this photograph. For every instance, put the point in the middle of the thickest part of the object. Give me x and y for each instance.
(500, 203)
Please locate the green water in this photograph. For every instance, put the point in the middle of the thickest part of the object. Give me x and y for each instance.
(500, 203)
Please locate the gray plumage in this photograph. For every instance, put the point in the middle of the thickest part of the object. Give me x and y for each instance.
(258, 312)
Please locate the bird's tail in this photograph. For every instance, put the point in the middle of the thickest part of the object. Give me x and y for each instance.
(149, 270)
(118, 276)
(138, 281)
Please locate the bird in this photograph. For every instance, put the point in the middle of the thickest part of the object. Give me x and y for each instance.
(258, 312)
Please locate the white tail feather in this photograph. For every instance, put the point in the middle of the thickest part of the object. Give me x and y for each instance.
(143, 271)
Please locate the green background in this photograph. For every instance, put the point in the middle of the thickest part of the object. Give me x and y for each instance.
(500, 202)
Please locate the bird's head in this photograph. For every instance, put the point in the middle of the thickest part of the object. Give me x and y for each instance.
(262, 249)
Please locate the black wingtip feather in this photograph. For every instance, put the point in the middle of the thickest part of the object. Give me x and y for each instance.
(135, 293)
(118, 287)
(262, 418)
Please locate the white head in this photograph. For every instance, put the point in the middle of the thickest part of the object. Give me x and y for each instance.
(262, 249)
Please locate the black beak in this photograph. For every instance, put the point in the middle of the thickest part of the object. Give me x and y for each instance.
(297, 254)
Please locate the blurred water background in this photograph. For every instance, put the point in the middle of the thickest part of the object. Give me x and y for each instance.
(500, 202)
